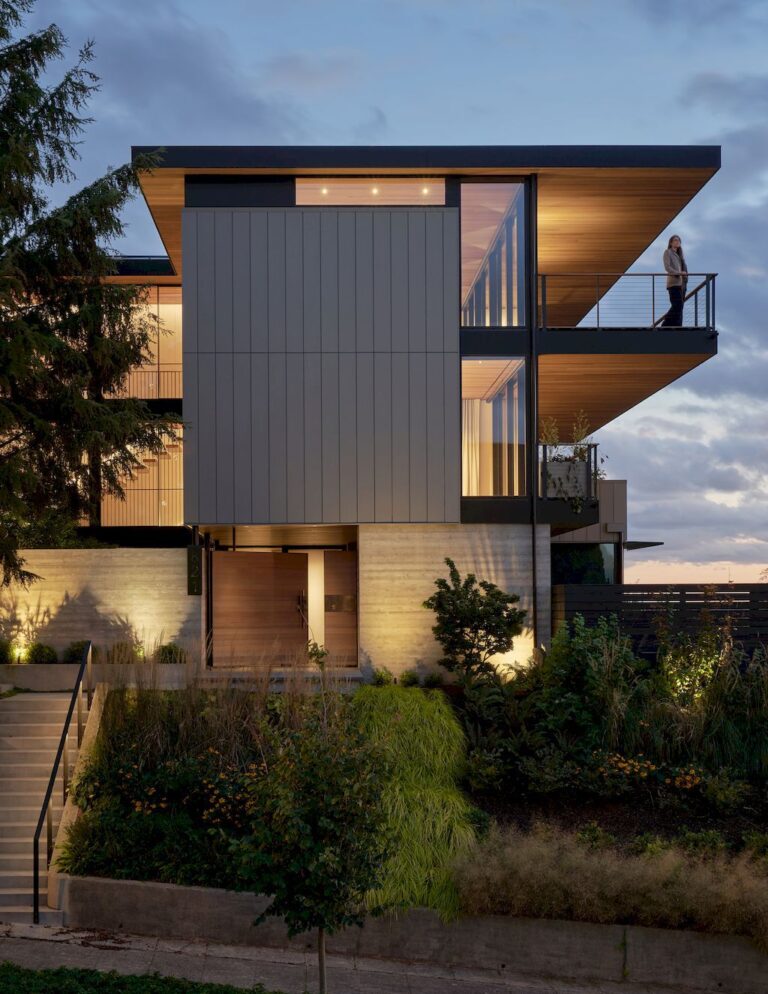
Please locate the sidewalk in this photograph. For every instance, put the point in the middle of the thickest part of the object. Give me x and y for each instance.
(45, 947)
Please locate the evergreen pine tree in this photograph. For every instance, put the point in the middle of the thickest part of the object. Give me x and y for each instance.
(68, 339)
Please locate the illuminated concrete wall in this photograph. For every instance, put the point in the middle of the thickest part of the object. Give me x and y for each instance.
(398, 565)
(107, 595)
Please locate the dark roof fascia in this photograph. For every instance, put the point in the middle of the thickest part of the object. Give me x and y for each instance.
(455, 157)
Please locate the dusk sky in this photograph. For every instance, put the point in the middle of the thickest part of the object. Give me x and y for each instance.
(503, 72)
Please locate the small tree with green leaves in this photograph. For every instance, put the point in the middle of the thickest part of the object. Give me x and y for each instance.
(476, 620)
(319, 839)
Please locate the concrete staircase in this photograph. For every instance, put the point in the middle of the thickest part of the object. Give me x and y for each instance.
(30, 730)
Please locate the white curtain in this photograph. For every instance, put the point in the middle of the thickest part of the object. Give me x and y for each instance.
(470, 447)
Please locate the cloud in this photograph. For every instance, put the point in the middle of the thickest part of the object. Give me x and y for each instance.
(704, 14)
(744, 95)
(302, 72)
(372, 128)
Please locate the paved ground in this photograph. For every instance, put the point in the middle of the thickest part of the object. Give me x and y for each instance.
(41, 947)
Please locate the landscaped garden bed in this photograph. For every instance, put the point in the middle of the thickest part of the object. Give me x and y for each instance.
(594, 785)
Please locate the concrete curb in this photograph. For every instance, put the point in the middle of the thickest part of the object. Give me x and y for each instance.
(500, 946)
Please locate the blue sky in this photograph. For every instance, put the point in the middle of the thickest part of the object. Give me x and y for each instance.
(495, 72)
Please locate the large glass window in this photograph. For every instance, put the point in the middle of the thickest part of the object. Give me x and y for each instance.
(160, 377)
(581, 562)
(346, 191)
(492, 255)
(493, 427)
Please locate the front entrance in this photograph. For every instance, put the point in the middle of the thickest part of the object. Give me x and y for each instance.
(259, 607)
(267, 605)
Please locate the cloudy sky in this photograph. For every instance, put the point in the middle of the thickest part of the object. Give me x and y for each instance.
(503, 72)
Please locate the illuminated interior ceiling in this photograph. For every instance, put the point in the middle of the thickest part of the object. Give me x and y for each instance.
(374, 191)
(604, 386)
(481, 379)
(591, 219)
(483, 208)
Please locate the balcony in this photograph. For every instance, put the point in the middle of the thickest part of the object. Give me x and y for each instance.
(567, 485)
(622, 300)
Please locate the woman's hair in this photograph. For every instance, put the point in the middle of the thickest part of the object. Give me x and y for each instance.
(679, 248)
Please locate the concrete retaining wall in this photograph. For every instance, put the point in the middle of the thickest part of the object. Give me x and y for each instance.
(107, 595)
(556, 949)
(46, 678)
(398, 565)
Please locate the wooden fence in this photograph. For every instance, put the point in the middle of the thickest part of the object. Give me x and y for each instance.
(643, 610)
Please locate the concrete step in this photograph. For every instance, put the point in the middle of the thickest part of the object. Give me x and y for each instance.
(24, 806)
(10, 830)
(22, 895)
(22, 915)
(44, 719)
(22, 845)
(19, 878)
(16, 862)
(32, 764)
(11, 742)
(18, 705)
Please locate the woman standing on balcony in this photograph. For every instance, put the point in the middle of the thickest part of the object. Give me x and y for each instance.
(677, 281)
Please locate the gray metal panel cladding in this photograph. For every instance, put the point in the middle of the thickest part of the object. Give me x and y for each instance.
(321, 365)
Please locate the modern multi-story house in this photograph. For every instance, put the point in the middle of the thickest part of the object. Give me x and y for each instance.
(372, 351)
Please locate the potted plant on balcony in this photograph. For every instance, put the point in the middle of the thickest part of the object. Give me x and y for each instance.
(566, 465)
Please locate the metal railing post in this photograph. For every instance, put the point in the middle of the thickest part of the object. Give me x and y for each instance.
(62, 756)
(543, 316)
(653, 299)
(597, 297)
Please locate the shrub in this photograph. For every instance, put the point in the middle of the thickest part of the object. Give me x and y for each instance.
(40, 653)
(6, 654)
(430, 820)
(476, 621)
(409, 678)
(20, 980)
(547, 873)
(382, 677)
(170, 653)
(125, 653)
(74, 652)
(704, 842)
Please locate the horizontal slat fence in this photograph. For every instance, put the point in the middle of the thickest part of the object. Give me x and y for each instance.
(641, 609)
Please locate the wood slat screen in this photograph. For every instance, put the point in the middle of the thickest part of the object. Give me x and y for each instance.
(640, 609)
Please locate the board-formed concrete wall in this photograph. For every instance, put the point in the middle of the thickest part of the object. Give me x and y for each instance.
(398, 565)
(106, 595)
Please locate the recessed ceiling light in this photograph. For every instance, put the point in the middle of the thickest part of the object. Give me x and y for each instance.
(324, 191)
(425, 190)
(375, 189)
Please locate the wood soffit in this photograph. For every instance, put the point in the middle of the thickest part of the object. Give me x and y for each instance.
(591, 219)
(604, 386)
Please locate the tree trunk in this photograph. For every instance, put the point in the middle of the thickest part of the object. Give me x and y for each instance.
(321, 961)
(94, 487)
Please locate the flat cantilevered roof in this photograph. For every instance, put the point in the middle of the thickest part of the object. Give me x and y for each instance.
(599, 206)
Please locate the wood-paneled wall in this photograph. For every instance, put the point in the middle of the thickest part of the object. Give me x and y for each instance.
(321, 365)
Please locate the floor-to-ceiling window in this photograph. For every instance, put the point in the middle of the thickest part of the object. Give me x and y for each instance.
(493, 427)
(492, 255)
(160, 376)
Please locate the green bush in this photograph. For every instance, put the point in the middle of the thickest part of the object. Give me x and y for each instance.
(382, 677)
(409, 678)
(74, 652)
(40, 653)
(430, 818)
(170, 653)
(6, 655)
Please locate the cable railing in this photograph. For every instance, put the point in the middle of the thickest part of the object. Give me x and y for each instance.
(62, 760)
(623, 300)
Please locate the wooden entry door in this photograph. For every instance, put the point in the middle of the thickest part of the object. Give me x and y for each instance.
(259, 607)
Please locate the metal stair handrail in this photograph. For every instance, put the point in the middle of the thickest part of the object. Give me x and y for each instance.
(62, 753)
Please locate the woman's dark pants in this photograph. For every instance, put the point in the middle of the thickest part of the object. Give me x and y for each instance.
(674, 316)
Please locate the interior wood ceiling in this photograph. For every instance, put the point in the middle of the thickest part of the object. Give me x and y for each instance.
(603, 386)
(590, 219)
(481, 379)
